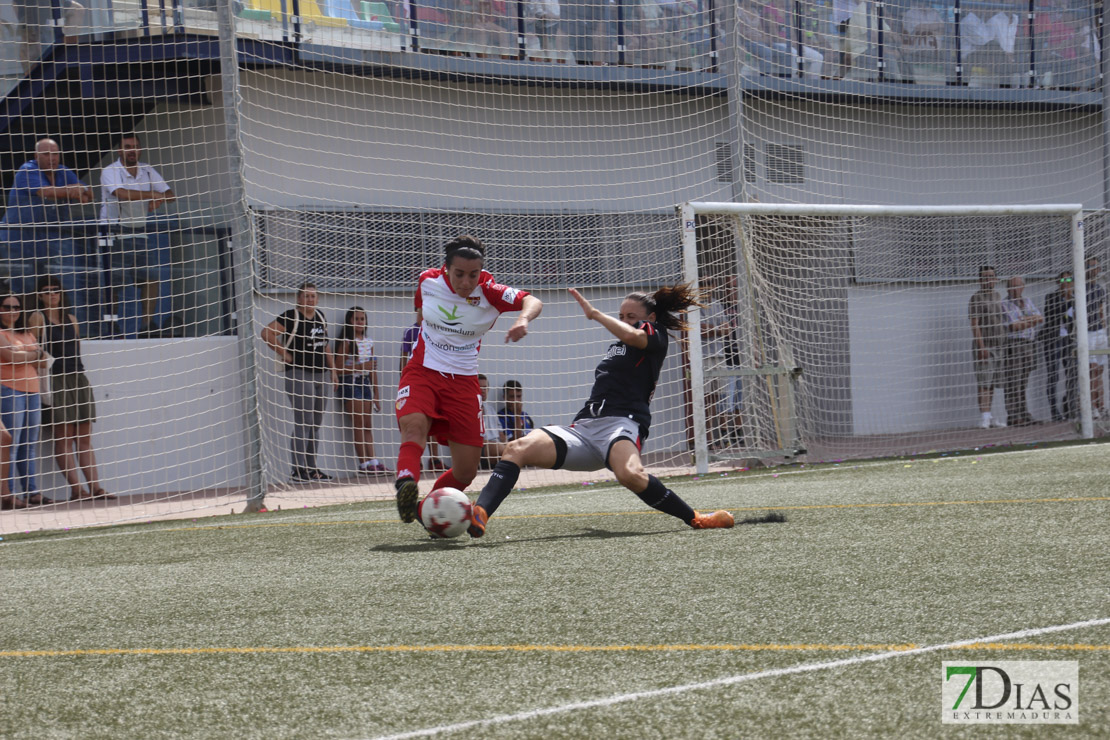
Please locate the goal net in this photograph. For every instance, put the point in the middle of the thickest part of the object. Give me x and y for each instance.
(848, 330)
(343, 142)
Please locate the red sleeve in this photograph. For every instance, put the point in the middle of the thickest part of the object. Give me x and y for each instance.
(502, 297)
(654, 336)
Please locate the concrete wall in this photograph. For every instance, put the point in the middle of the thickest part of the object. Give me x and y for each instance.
(169, 416)
(912, 363)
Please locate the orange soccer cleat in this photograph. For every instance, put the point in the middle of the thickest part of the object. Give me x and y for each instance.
(717, 520)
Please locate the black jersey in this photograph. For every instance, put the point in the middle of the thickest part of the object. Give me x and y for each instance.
(625, 379)
(309, 342)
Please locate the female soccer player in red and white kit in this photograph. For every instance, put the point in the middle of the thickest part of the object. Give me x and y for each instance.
(438, 394)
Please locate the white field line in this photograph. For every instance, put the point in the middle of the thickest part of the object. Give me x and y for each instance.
(742, 678)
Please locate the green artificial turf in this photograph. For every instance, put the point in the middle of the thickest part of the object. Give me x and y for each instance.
(344, 623)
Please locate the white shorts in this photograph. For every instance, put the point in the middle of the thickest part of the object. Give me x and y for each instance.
(586, 443)
(1097, 340)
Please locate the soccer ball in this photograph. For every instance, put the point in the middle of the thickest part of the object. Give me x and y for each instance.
(445, 512)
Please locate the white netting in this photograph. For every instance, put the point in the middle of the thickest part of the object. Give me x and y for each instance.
(564, 135)
(871, 312)
(151, 283)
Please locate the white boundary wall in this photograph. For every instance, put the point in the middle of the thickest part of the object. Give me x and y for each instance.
(169, 416)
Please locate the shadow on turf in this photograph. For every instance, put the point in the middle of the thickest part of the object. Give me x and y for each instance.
(590, 533)
(773, 517)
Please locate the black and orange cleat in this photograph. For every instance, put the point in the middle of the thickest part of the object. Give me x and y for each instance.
(478, 519)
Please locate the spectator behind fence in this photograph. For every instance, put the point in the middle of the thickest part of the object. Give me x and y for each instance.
(33, 246)
(72, 410)
(493, 438)
(358, 386)
(778, 28)
(408, 341)
(587, 23)
(34, 23)
(544, 15)
(1059, 44)
(984, 312)
(1096, 337)
(20, 407)
(755, 44)
(515, 422)
(1022, 319)
(486, 27)
(131, 190)
(299, 336)
(1058, 343)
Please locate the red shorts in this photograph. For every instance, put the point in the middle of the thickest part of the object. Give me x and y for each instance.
(452, 402)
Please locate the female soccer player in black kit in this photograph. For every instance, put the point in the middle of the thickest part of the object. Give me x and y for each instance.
(613, 423)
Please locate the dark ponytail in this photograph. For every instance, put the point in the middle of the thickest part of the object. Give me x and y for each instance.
(669, 303)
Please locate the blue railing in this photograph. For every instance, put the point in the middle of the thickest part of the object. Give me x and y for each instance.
(1025, 44)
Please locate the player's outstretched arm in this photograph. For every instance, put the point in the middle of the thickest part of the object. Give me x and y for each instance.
(531, 310)
(587, 308)
(630, 335)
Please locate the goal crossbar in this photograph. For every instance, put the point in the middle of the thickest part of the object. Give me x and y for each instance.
(817, 209)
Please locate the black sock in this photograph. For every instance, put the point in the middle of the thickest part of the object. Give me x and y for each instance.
(658, 496)
(500, 485)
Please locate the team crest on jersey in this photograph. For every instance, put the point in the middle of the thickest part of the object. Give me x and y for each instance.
(474, 300)
(402, 396)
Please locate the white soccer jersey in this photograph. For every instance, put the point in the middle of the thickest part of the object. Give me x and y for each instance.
(452, 330)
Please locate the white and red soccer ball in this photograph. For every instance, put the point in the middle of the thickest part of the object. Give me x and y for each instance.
(445, 512)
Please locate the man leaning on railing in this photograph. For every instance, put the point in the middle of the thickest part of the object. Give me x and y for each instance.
(32, 242)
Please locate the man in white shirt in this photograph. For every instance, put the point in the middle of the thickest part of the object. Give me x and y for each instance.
(131, 190)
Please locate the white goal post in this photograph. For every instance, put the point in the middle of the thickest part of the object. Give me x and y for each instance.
(864, 308)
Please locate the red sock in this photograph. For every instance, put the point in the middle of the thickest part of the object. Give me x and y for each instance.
(408, 460)
(447, 480)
